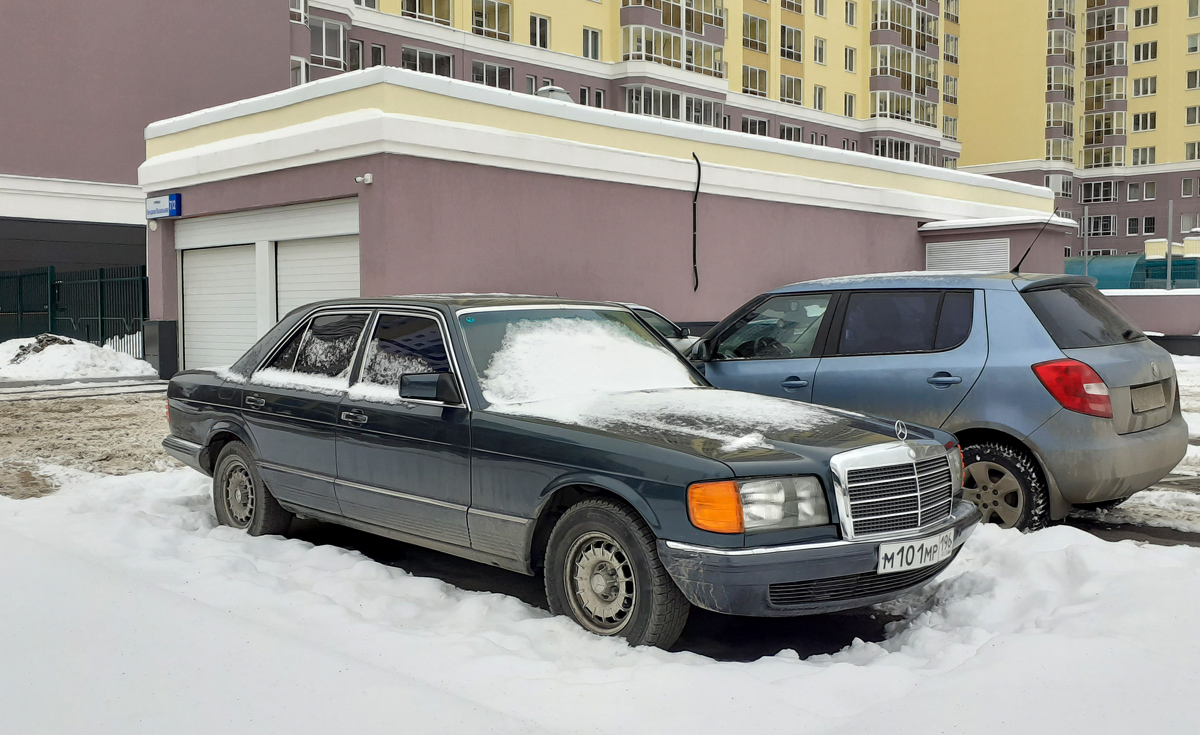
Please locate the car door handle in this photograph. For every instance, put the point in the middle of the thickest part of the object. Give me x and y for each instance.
(793, 383)
(943, 380)
(354, 417)
(255, 402)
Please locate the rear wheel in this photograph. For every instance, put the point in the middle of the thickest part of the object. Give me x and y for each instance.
(1007, 485)
(240, 497)
(603, 572)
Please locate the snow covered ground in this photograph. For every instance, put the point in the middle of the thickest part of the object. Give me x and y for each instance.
(135, 613)
(68, 361)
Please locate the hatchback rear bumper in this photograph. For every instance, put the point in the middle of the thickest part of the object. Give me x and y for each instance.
(1091, 463)
(800, 580)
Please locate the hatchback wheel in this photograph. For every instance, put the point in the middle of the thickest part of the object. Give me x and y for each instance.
(1006, 483)
(603, 571)
(240, 497)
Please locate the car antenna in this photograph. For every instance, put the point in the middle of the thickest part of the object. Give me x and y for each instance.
(1017, 268)
(695, 197)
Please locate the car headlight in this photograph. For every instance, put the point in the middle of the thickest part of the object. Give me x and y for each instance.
(765, 504)
(958, 469)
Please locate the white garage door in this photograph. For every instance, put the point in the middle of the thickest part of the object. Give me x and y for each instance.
(315, 270)
(970, 255)
(219, 317)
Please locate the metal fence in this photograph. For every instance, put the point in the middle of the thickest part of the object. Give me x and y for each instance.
(105, 306)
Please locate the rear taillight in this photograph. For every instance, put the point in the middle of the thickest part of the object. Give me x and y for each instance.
(1076, 386)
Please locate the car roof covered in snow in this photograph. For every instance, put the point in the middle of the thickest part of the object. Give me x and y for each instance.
(985, 280)
(455, 302)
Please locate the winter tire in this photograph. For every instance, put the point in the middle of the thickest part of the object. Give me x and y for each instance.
(603, 572)
(1006, 483)
(240, 497)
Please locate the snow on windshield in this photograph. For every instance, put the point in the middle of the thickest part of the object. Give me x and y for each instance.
(563, 357)
(601, 375)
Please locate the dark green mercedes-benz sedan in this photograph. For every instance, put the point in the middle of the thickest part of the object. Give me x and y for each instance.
(569, 439)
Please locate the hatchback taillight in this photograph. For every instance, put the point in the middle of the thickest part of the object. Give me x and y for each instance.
(1076, 386)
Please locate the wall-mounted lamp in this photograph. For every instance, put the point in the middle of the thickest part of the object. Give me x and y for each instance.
(364, 179)
(153, 225)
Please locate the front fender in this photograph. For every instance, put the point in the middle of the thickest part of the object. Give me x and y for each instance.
(603, 482)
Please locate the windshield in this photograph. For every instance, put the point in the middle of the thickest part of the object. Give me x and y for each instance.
(1081, 316)
(523, 355)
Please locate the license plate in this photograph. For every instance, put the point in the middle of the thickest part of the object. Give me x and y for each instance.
(1148, 397)
(905, 555)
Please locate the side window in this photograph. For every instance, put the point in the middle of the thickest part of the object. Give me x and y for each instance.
(285, 359)
(893, 322)
(780, 327)
(661, 325)
(403, 345)
(329, 343)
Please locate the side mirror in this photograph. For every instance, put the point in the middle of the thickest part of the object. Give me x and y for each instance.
(430, 387)
(700, 352)
(685, 332)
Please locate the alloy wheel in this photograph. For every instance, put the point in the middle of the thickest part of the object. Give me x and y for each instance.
(600, 583)
(238, 492)
(996, 491)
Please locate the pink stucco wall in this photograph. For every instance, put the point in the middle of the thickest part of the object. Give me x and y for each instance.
(1168, 313)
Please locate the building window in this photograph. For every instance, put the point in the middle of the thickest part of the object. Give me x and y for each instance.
(328, 43)
(372, 4)
(1150, 191)
(1098, 127)
(950, 51)
(950, 89)
(1133, 226)
(1101, 225)
(1145, 87)
(851, 13)
(704, 58)
(1101, 22)
(1061, 115)
(1105, 157)
(851, 59)
(643, 43)
(819, 50)
(591, 44)
(377, 55)
(1193, 43)
(1192, 152)
(299, 71)
(1058, 149)
(794, 133)
(818, 98)
(950, 162)
(1148, 227)
(298, 11)
(491, 19)
(1097, 192)
(951, 8)
(1061, 79)
(1061, 43)
(818, 7)
(892, 104)
(791, 89)
(754, 81)
(1188, 187)
(1144, 122)
(1134, 193)
(754, 33)
(1143, 156)
(1194, 8)
(599, 97)
(1145, 17)
(1148, 51)
(354, 55)
(950, 127)
(491, 75)
(848, 105)
(925, 113)
(1060, 184)
(531, 85)
(539, 31)
(1193, 115)
(1187, 223)
(901, 150)
(791, 43)
(796, 6)
(755, 125)
(1193, 79)
(432, 11)
(1101, 56)
(585, 95)
(429, 62)
(1067, 251)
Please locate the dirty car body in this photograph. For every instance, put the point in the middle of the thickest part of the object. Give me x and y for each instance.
(482, 461)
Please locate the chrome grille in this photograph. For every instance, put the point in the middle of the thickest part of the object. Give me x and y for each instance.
(899, 497)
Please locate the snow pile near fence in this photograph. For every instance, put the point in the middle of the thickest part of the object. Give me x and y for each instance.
(67, 361)
(136, 613)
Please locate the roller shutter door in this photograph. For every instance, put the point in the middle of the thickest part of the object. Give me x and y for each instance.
(219, 319)
(970, 255)
(315, 270)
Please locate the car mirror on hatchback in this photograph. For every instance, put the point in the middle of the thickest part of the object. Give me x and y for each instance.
(699, 352)
(430, 387)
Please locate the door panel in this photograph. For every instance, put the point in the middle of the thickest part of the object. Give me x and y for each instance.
(921, 387)
(784, 378)
(404, 464)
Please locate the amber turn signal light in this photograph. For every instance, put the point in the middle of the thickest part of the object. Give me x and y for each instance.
(716, 507)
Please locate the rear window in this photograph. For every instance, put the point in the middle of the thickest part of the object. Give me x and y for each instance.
(1081, 316)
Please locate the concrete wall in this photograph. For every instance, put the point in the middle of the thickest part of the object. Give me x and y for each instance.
(83, 79)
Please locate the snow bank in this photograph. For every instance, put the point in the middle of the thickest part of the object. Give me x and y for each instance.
(74, 360)
(1050, 632)
(1162, 508)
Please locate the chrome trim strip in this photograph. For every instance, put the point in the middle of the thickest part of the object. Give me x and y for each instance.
(500, 516)
(443, 327)
(404, 496)
(183, 443)
(293, 471)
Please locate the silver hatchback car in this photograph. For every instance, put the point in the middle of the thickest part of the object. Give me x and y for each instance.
(1057, 398)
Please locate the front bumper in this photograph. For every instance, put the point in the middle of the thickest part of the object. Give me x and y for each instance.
(185, 451)
(1091, 463)
(823, 577)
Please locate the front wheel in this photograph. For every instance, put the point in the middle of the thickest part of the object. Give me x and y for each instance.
(603, 572)
(1007, 485)
(240, 497)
